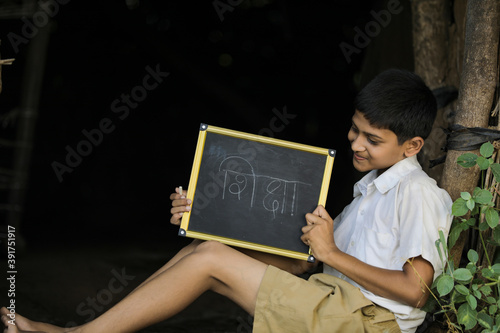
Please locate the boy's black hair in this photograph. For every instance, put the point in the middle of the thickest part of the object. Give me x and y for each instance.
(400, 101)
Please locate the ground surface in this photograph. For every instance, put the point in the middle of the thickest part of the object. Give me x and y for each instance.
(72, 283)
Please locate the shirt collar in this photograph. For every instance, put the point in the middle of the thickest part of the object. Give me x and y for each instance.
(388, 179)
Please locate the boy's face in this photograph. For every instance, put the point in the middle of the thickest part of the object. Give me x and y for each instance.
(374, 148)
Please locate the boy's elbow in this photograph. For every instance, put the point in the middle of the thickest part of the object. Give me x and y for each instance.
(418, 298)
(418, 277)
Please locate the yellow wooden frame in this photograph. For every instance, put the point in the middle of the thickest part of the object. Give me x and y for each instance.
(204, 128)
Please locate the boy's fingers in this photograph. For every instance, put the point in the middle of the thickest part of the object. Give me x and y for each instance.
(311, 219)
(176, 195)
(321, 212)
(306, 229)
(176, 218)
(179, 209)
(181, 202)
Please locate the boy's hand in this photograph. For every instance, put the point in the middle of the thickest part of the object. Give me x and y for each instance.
(318, 233)
(180, 205)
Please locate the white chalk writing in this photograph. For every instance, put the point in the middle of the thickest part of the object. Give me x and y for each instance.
(279, 195)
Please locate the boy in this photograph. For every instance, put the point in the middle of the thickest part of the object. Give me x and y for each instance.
(378, 254)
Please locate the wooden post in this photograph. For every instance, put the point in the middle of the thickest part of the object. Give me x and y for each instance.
(438, 38)
(477, 87)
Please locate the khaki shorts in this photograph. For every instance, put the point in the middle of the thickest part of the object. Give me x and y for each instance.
(324, 303)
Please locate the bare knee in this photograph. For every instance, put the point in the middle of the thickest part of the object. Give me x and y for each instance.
(194, 244)
(210, 247)
(211, 253)
(190, 247)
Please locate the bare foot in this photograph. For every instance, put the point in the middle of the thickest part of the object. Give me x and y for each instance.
(15, 323)
(11, 327)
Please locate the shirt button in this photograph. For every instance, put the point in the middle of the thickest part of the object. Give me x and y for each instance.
(362, 212)
(352, 243)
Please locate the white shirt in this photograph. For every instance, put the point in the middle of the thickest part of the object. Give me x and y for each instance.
(392, 218)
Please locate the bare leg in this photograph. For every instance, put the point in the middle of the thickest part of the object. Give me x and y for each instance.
(293, 266)
(25, 325)
(181, 254)
(210, 266)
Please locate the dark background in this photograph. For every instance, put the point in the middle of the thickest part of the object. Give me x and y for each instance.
(231, 73)
(111, 213)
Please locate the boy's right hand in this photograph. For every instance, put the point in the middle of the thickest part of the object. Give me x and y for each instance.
(180, 205)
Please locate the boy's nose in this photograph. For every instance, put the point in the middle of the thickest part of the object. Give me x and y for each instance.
(356, 144)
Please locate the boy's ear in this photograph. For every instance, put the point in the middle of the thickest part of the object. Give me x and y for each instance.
(413, 146)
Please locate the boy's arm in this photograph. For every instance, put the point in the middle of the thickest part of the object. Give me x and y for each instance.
(406, 286)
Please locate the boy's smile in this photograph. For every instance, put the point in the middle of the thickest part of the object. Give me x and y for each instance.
(374, 148)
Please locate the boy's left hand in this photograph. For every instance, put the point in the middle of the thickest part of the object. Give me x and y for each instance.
(318, 233)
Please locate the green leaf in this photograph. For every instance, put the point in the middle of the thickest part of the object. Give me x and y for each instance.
(441, 243)
(467, 316)
(450, 268)
(496, 235)
(477, 189)
(462, 289)
(472, 256)
(486, 290)
(466, 196)
(495, 168)
(459, 207)
(492, 218)
(485, 320)
(435, 282)
(487, 149)
(487, 272)
(483, 196)
(471, 267)
(440, 246)
(492, 309)
(483, 163)
(455, 232)
(445, 285)
(462, 274)
(470, 204)
(457, 298)
(467, 160)
(471, 222)
(471, 299)
(483, 226)
(431, 305)
(491, 300)
(453, 236)
(496, 269)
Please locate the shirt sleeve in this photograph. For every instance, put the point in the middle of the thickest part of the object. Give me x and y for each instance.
(424, 210)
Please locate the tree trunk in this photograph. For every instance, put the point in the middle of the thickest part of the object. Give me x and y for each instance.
(477, 87)
(438, 38)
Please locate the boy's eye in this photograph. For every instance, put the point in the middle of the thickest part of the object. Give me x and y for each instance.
(371, 141)
(354, 129)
